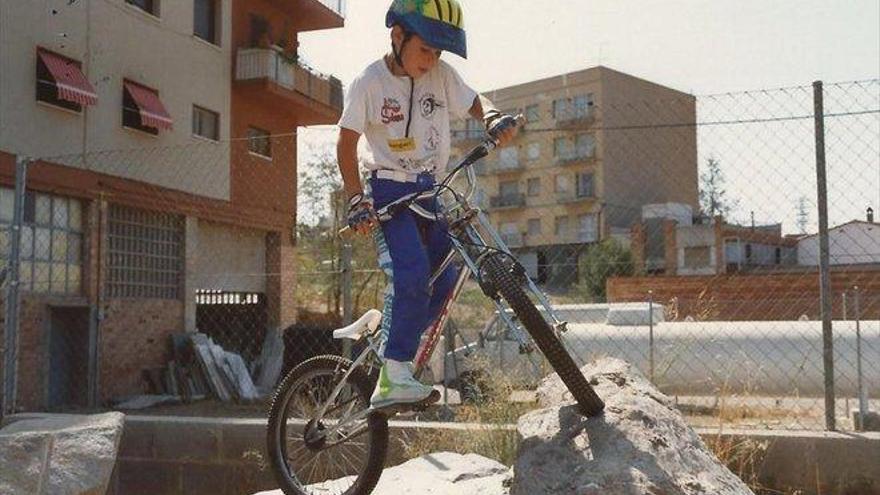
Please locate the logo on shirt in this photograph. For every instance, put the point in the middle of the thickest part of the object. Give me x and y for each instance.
(391, 111)
(428, 103)
(432, 139)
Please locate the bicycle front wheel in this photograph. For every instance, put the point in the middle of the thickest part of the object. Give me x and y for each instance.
(505, 282)
(341, 453)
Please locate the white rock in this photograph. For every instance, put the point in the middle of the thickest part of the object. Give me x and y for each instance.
(640, 445)
(60, 454)
(442, 473)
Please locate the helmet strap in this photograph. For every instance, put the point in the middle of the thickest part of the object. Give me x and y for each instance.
(399, 53)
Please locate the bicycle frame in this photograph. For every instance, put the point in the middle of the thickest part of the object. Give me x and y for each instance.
(471, 228)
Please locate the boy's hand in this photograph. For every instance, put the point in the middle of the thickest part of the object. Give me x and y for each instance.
(361, 215)
(501, 126)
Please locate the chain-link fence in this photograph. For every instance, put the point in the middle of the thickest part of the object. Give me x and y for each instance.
(680, 233)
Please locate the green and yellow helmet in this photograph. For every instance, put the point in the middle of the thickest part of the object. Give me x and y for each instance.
(440, 23)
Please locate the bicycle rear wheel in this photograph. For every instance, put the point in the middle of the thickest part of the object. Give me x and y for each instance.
(306, 455)
(502, 279)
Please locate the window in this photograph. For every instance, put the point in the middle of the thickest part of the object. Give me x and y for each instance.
(533, 186)
(560, 108)
(205, 20)
(582, 105)
(473, 129)
(585, 185)
(588, 228)
(532, 113)
(585, 145)
(205, 123)
(562, 183)
(142, 109)
(697, 257)
(148, 6)
(260, 142)
(560, 226)
(61, 83)
(145, 253)
(508, 188)
(508, 157)
(534, 226)
(561, 148)
(534, 151)
(51, 241)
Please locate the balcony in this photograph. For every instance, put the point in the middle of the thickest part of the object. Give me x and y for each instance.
(570, 197)
(517, 200)
(579, 237)
(512, 239)
(311, 15)
(575, 160)
(267, 74)
(575, 120)
(469, 137)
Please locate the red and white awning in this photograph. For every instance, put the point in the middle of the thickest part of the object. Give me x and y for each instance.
(150, 107)
(70, 82)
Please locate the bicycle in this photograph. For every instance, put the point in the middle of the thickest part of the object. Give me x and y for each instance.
(321, 425)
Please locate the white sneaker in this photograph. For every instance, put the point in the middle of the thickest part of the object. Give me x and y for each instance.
(396, 385)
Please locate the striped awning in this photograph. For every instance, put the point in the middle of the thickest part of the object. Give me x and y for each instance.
(70, 82)
(150, 107)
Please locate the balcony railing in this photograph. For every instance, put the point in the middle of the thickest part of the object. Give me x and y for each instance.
(571, 197)
(267, 63)
(508, 201)
(468, 136)
(512, 239)
(574, 159)
(578, 237)
(576, 119)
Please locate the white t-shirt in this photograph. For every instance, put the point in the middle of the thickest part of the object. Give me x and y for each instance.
(377, 106)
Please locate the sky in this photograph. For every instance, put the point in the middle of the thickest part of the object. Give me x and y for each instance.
(700, 47)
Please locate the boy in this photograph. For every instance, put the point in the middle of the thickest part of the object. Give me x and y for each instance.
(403, 104)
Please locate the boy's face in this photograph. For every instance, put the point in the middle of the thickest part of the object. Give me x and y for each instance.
(418, 57)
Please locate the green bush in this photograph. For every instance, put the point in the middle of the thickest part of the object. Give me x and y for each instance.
(606, 259)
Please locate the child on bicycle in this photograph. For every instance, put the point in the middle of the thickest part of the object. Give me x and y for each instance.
(403, 103)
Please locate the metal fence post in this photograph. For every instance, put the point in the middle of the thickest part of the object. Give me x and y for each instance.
(824, 268)
(347, 303)
(651, 334)
(13, 297)
(860, 385)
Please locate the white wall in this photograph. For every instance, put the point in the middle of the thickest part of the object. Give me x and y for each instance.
(229, 258)
(114, 40)
(856, 242)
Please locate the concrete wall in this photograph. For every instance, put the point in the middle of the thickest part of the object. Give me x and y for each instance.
(114, 41)
(195, 456)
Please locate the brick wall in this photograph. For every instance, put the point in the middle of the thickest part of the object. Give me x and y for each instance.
(134, 335)
(770, 296)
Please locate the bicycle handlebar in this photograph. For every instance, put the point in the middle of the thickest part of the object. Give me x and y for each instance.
(476, 153)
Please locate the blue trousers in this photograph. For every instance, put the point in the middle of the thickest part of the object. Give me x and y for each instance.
(410, 249)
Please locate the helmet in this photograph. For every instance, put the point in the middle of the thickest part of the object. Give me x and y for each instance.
(439, 23)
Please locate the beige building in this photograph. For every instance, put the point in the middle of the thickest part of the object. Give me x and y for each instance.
(163, 199)
(598, 145)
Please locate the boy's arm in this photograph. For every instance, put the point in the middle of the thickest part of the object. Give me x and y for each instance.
(481, 107)
(346, 155)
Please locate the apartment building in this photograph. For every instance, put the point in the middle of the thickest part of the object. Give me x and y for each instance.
(598, 145)
(160, 175)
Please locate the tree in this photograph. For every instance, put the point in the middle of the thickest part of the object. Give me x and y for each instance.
(803, 215)
(713, 200)
(606, 259)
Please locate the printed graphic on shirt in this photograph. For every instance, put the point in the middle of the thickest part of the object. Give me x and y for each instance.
(418, 165)
(432, 139)
(401, 145)
(428, 103)
(391, 111)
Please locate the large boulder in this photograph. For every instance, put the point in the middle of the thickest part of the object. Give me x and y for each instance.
(640, 445)
(60, 454)
(442, 473)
